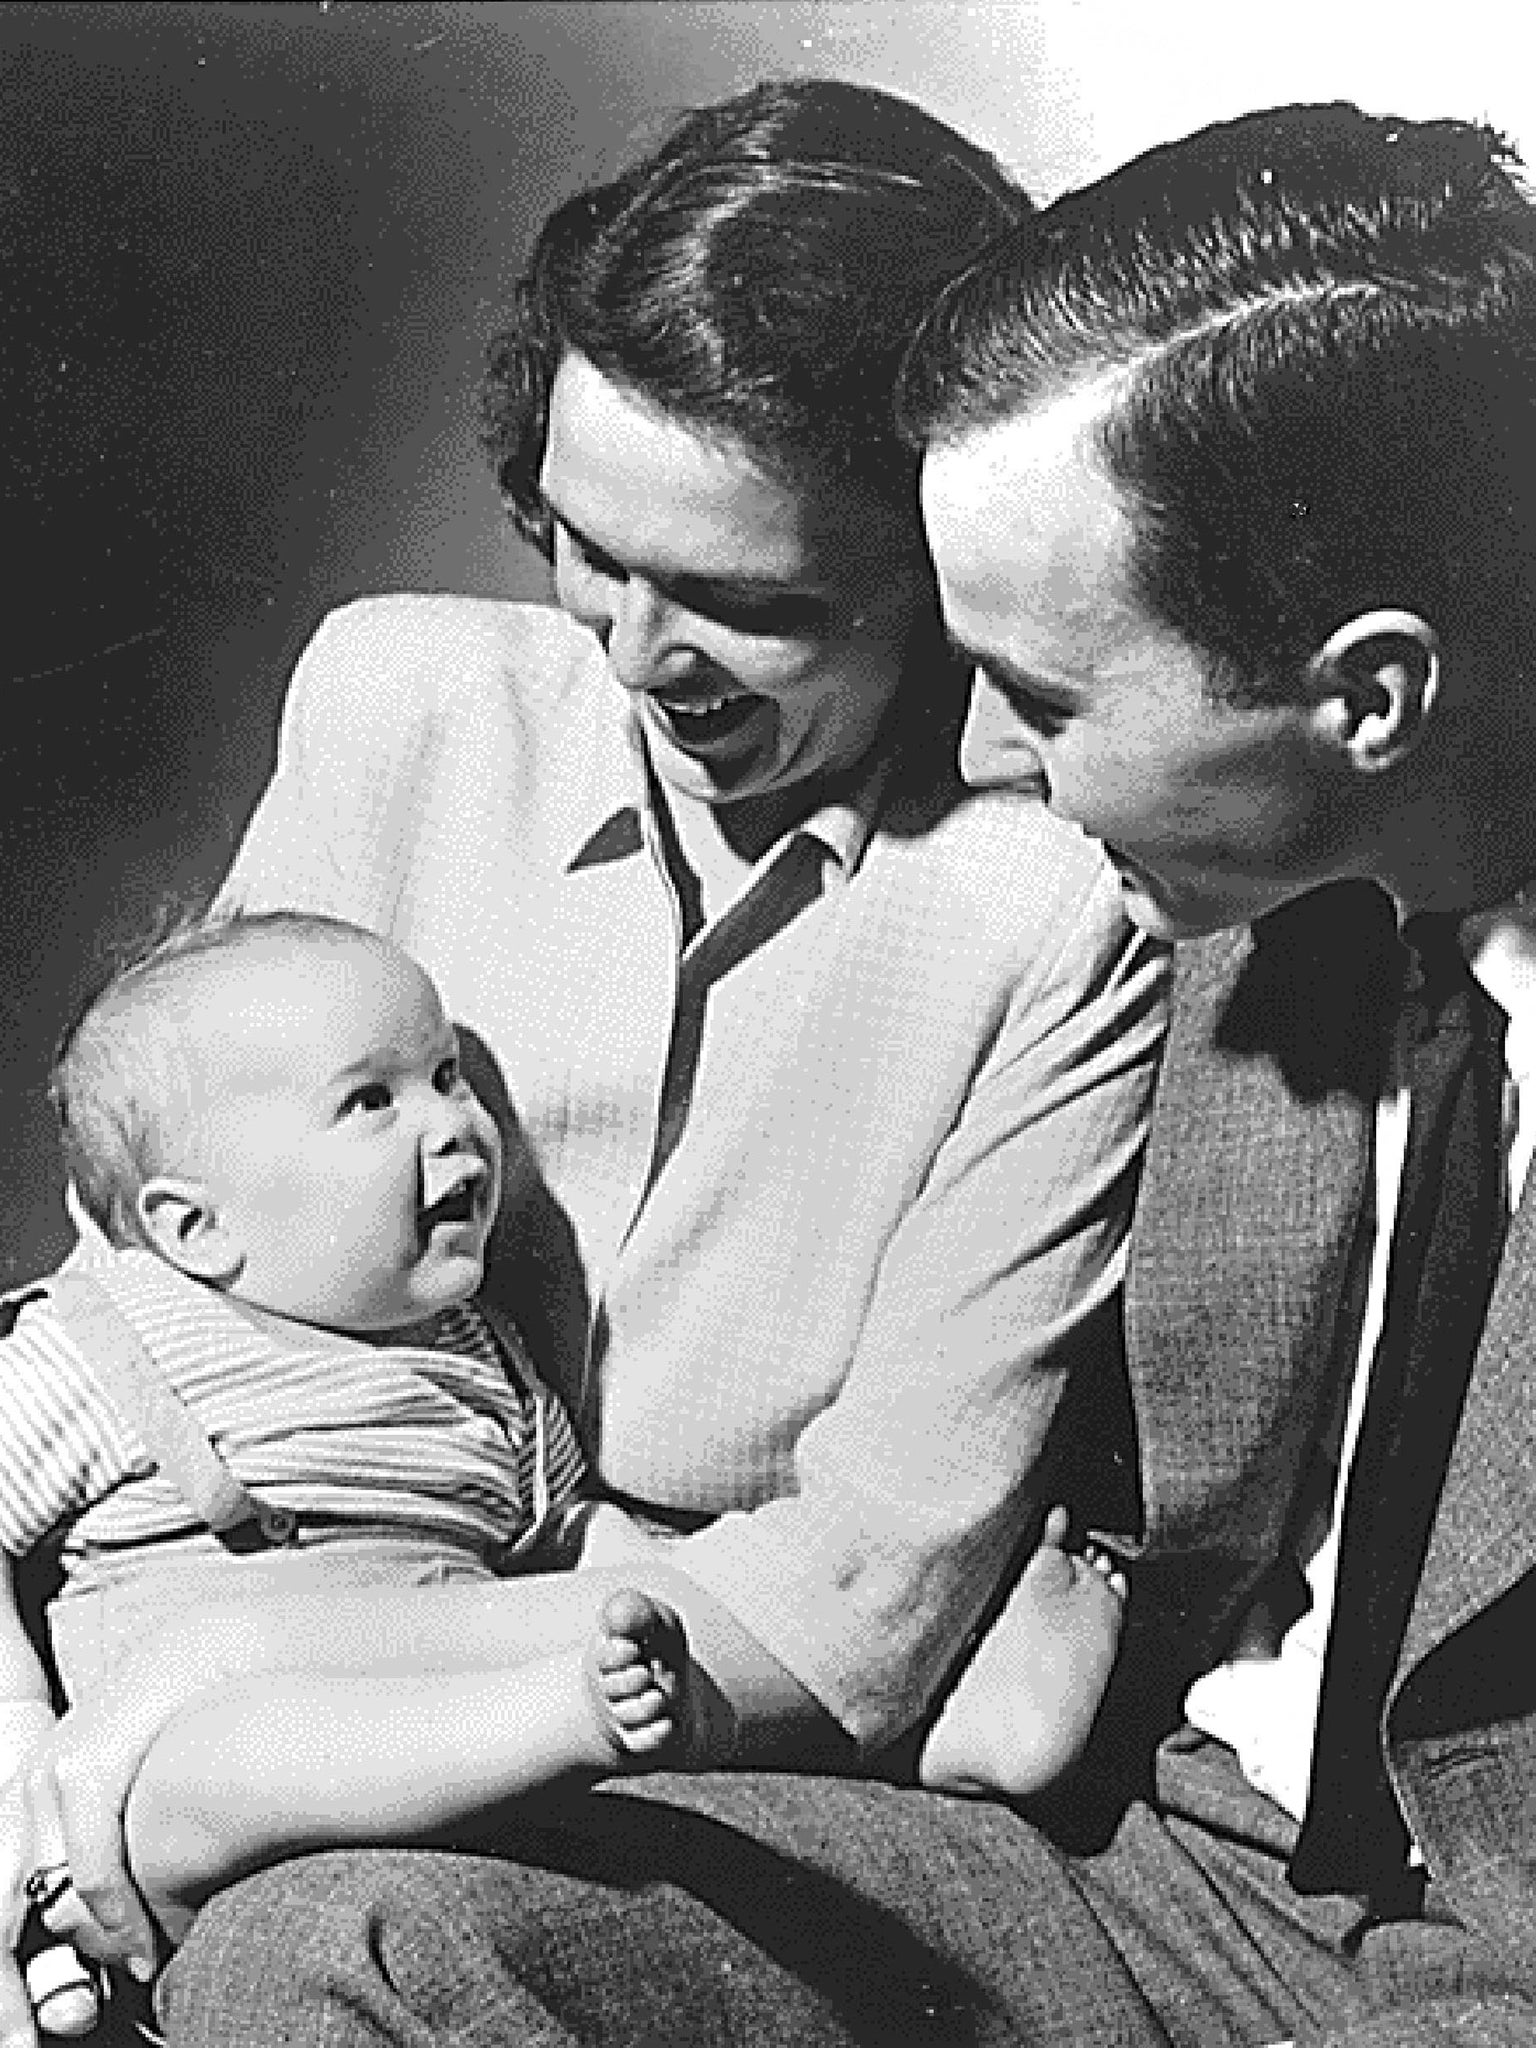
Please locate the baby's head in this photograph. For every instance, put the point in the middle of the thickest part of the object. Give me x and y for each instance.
(273, 1103)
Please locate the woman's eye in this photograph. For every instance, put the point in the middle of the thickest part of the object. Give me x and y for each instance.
(370, 1098)
(791, 617)
(446, 1076)
(590, 558)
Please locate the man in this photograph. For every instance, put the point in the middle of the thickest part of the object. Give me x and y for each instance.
(1230, 485)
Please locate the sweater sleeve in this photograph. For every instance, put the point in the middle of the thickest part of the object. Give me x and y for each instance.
(913, 1485)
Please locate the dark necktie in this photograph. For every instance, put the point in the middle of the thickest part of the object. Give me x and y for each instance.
(1445, 1251)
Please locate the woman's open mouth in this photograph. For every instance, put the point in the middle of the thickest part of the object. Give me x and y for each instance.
(700, 722)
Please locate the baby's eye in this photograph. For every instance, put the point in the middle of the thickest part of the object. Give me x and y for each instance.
(367, 1099)
(446, 1075)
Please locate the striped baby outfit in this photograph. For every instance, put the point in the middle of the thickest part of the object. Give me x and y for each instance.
(448, 1435)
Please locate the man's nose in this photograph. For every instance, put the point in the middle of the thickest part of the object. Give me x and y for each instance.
(997, 750)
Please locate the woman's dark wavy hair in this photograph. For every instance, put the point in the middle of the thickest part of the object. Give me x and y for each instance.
(757, 277)
(1326, 323)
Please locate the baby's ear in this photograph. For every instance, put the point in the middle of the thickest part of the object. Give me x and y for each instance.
(180, 1221)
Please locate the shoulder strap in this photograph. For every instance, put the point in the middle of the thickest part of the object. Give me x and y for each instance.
(169, 1430)
(554, 1435)
(12, 1304)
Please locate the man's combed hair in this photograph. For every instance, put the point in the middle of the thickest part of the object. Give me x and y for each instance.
(1319, 329)
(757, 277)
(120, 1083)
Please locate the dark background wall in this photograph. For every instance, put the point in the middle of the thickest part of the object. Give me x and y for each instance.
(248, 258)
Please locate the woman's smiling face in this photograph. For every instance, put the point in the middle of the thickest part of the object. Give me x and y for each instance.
(762, 633)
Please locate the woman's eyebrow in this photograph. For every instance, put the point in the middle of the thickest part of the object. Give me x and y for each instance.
(680, 582)
(583, 540)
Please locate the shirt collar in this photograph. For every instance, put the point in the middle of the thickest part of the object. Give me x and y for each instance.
(1500, 946)
(842, 825)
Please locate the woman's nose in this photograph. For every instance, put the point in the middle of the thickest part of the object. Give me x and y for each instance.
(642, 632)
(643, 640)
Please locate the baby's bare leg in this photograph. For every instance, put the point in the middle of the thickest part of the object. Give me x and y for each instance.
(286, 1762)
(1022, 1709)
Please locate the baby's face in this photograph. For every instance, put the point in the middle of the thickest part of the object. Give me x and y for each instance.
(351, 1162)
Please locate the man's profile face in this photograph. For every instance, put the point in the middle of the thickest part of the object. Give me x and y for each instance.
(1211, 814)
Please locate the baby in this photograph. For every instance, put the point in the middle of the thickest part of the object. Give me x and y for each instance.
(265, 1372)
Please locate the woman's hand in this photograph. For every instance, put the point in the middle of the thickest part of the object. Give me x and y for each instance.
(73, 1790)
(66, 1990)
(19, 1856)
(43, 1982)
(77, 1782)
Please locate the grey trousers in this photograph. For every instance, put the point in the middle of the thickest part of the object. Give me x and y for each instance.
(760, 1912)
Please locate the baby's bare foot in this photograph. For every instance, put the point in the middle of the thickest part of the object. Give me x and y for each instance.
(638, 1675)
(1023, 1707)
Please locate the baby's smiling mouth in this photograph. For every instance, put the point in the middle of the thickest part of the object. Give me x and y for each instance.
(460, 1203)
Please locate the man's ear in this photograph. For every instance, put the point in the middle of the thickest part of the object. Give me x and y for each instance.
(179, 1218)
(1373, 684)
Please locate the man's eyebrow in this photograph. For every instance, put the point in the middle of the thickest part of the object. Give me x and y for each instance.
(999, 669)
(996, 667)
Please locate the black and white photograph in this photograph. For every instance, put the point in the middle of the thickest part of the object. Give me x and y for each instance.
(768, 984)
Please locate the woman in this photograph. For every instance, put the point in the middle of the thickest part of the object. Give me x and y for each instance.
(832, 1075)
